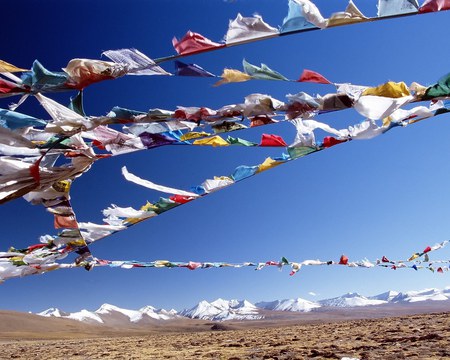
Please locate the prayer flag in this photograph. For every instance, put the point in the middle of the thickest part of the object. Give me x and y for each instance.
(246, 28)
(193, 43)
(182, 69)
(314, 77)
(434, 5)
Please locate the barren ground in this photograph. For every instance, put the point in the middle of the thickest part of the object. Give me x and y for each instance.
(424, 336)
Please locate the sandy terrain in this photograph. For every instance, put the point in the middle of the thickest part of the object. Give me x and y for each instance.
(408, 337)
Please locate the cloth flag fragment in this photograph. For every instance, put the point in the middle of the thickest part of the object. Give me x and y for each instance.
(7, 67)
(192, 43)
(262, 73)
(247, 28)
(295, 20)
(314, 77)
(389, 7)
(231, 76)
(135, 62)
(150, 185)
(182, 69)
(434, 5)
(351, 15)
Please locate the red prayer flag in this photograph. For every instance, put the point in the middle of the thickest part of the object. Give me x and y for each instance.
(343, 260)
(434, 5)
(180, 199)
(261, 120)
(440, 270)
(193, 43)
(385, 259)
(35, 247)
(34, 171)
(193, 265)
(67, 222)
(314, 77)
(272, 140)
(8, 87)
(427, 249)
(330, 141)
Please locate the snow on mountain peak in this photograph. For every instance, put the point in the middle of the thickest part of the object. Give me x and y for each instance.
(297, 305)
(55, 312)
(84, 316)
(350, 300)
(133, 315)
(221, 310)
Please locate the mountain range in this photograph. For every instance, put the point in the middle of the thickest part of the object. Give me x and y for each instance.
(225, 310)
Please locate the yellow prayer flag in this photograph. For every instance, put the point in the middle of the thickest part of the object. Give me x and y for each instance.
(6, 67)
(415, 256)
(268, 164)
(212, 141)
(148, 207)
(161, 263)
(193, 135)
(226, 178)
(390, 89)
(232, 75)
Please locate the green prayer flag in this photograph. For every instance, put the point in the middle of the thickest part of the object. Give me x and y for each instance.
(442, 88)
(238, 141)
(262, 73)
(296, 152)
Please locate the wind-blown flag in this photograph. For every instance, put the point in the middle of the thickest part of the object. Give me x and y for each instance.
(41, 79)
(311, 13)
(442, 88)
(232, 75)
(314, 77)
(182, 69)
(295, 19)
(389, 7)
(8, 88)
(390, 89)
(150, 185)
(246, 28)
(192, 43)
(434, 5)
(351, 15)
(14, 120)
(7, 67)
(84, 72)
(136, 63)
(272, 140)
(262, 73)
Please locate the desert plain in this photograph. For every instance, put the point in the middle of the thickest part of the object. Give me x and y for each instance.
(412, 336)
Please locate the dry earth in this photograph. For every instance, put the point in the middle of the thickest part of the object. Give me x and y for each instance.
(425, 336)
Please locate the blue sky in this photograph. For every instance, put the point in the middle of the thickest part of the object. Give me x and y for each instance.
(386, 196)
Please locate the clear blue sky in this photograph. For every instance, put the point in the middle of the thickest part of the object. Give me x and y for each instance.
(386, 196)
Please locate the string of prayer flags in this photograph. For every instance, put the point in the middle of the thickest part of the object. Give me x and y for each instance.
(295, 266)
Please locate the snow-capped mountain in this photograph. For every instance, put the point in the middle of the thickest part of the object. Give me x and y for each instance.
(55, 312)
(299, 305)
(85, 316)
(113, 314)
(386, 296)
(222, 310)
(423, 295)
(350, 300)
